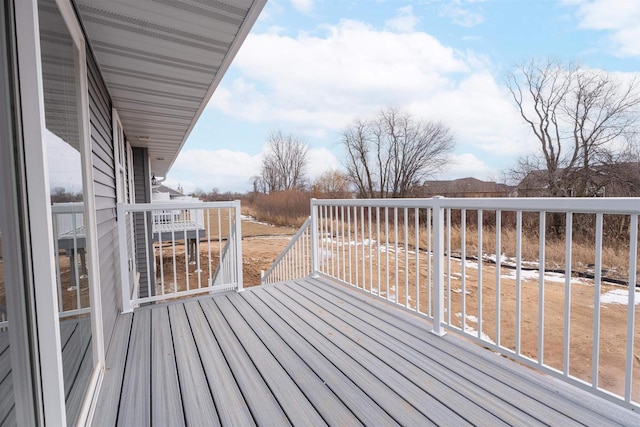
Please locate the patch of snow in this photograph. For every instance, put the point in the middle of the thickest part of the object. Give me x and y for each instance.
(618, 296)
(549, 277)
(249, 218)
(458, 291)
(492, 257)
(470, 264)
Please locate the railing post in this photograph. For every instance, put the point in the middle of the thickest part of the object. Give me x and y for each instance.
(125, 286)
(314, 238)
(238, 237)
(438, 266)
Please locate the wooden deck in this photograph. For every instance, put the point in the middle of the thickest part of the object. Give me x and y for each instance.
(314, 353)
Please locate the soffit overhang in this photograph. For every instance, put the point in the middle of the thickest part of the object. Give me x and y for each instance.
(162, 60)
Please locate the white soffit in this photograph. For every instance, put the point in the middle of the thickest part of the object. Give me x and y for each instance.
(162, 60)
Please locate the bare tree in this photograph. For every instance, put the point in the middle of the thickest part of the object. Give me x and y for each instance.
(389, 155)
(283, 166)
(580, 120)
(331, 184)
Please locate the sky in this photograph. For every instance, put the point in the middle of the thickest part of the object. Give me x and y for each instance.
(311, 67)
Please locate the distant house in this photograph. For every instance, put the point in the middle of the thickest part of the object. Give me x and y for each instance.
(609, 180)
(164, 190)
(464, 187)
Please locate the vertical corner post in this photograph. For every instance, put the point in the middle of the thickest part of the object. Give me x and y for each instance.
(238, 242)
(438, 267)
(314, 238)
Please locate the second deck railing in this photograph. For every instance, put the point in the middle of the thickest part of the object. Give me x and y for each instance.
(175, 249)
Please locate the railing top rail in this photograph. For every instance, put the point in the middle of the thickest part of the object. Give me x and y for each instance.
(144, 207)
(613, 205)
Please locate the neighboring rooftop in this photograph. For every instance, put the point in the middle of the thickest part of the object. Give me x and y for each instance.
(464, 187)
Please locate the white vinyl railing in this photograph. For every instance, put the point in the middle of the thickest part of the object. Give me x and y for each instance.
(295, 260)
(178, 249)
(548, 282)
(71, 254)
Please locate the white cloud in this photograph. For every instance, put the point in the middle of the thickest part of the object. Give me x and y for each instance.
(304, 6)
(317, 84)
(204, 169)
(325, 81)
(320, 160)
(621, 18)
(232, 170)
(479, 113)
(461, 13)
(404, 21)
(468, 165)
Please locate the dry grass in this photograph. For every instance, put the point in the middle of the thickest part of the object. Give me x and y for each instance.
(614, 253)
(285, 208)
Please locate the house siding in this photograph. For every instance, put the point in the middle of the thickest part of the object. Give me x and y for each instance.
(104, 184)
(142, 188)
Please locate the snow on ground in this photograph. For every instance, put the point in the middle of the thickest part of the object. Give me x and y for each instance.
(472, 331)
(618, 296)
(249, 218)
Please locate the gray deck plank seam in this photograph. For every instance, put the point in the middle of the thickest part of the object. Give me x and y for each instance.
(136, 374)
(302, 341)
(200, 358)
(541, 394)
(162, 342)
(438, 372)
(403, 384)
(126, 357)
(218, 368)
(228, 347)
(173, 346)
(186, 362)
(293, 411)
(107, 408)
(260, 327)
(391, 396)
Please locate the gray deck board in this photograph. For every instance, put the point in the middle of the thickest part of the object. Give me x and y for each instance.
(264, 406)
(414, 396)
(165, 388)
(6, 380)
(309, 352)
(485, 374)
(482, 399)
(362, 405)
(107, 408)
(7, 403)
(77, 362)
(199, 408)
(314, 390)
(135, 401)
(386, 352)
(392, 403)
(232, 407)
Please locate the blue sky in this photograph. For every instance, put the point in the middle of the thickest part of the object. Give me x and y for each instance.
(310, 67)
